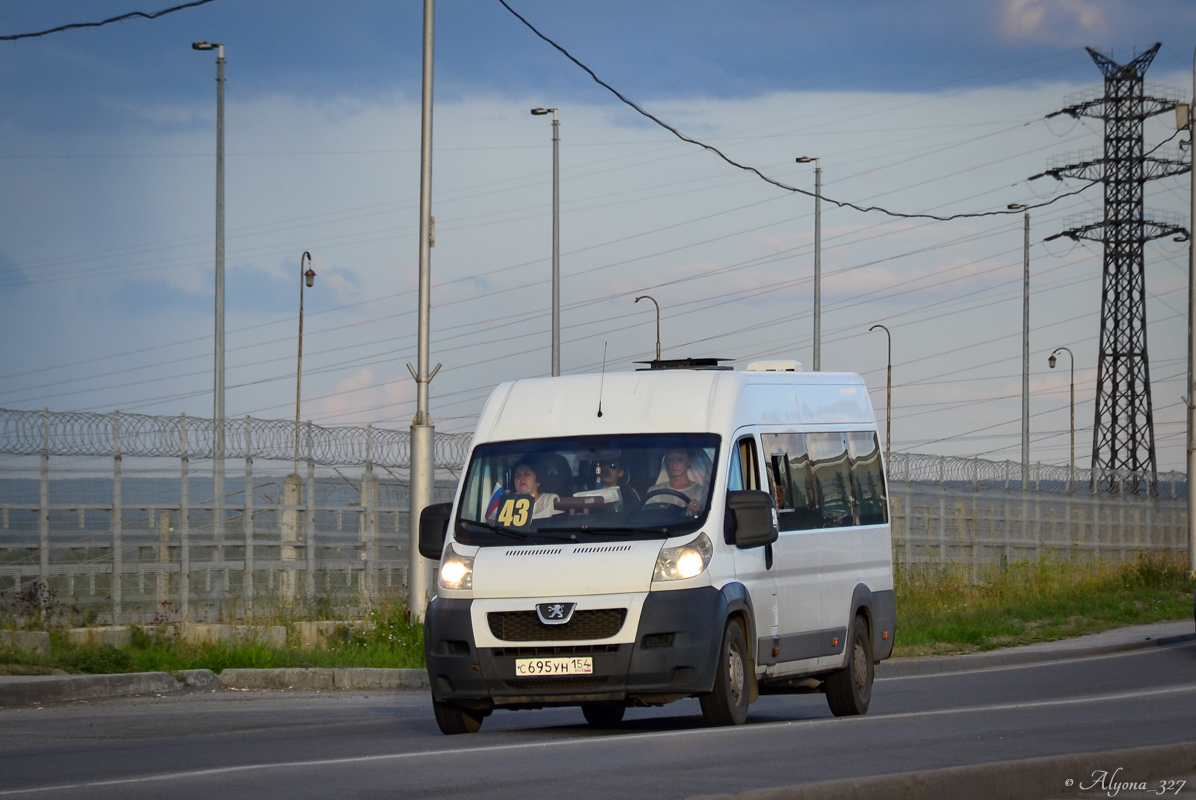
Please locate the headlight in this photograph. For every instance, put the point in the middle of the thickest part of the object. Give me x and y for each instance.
(456, 571)
(686, 561)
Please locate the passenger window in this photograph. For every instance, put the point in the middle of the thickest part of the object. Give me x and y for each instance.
(832, 475)
(792, 481)
(870, 494)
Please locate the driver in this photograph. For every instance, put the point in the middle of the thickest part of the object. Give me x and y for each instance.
(677, 476)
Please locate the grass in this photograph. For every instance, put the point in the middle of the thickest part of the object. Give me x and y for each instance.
(941, 610)
(388, 640)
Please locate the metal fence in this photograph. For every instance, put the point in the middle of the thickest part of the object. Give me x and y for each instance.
(975, 513)
(115, 514)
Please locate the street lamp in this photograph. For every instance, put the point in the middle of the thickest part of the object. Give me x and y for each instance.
(556, 239)
(305, 279)
(218, 389)
(1071, 475)
(1025, 345)
(817, 257)
(888, 391)
(649, 297)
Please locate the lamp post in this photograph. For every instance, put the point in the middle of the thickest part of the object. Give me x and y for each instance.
(1025, 345)
(423, 431)
(649, 297)
(218, 388)
(1191, 402)
(305, 279)
(1071, 472)
(817, 257)
(556, 239)
(888, 390)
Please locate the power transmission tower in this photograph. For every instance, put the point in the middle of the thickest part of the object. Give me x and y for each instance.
(1123, 430)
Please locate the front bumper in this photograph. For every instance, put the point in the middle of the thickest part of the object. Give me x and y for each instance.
(674, 655)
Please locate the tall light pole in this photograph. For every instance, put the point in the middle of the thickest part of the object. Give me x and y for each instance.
(888, 391)
(305, 279)
(423, 463)
(1025, 345)
(817, 257)
(218, 390)
(1071, 471)
(1191, 401)
(556, 238)
(649, 297)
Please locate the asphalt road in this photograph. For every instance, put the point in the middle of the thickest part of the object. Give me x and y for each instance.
(231, 745)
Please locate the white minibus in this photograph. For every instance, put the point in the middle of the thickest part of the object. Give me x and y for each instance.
(682, 531)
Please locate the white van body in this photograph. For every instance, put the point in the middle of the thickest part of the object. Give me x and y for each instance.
(797, 603)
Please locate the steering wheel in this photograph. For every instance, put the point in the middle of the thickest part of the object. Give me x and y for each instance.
(679, 495)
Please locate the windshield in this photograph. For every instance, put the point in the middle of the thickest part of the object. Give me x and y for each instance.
(590, 488)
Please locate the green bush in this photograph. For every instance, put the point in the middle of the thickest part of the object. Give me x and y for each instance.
(97, 659)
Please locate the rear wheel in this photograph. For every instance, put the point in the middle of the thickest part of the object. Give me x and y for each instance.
(849, 690)
(728, 703)
(454, 719)
(604, 715)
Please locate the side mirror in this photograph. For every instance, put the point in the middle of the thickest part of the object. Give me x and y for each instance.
(433, 524)
(749, 519)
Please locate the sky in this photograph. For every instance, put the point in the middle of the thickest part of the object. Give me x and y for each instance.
(107, 187)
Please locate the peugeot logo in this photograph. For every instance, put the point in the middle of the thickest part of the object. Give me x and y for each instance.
(555, 613)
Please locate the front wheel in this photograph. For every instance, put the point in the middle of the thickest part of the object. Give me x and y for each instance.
(454, 719)
(728, 703)
(849, 690)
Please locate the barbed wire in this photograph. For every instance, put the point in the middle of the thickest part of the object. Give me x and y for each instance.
(59, 433)
(979, 473)
(77, 433)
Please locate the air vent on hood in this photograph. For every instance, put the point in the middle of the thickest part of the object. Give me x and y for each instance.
(598, 548)
(539, 551)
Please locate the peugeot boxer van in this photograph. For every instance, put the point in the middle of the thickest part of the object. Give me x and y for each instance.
(638, 538)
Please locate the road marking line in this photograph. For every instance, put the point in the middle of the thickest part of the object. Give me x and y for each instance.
(593, 740)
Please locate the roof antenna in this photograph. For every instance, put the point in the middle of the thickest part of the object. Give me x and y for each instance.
(602, 380)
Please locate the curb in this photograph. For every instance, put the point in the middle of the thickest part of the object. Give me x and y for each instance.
(324, 679)
(64, 688)
(938, 665)
(1033, 779)
(39, 689)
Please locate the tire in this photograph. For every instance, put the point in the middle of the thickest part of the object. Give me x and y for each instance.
(849, 690)
(454, 719)
(728, 703)
(604, 715)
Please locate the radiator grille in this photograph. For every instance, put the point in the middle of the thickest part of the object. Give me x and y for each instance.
(554, 650)
(525, 626)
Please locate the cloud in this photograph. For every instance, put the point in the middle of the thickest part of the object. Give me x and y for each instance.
(11, 277)
(361, 398)
(1057, 22)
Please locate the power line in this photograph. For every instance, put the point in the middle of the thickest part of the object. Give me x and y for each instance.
(143, 14)
(761, 175)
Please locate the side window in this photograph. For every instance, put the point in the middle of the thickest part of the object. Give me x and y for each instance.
(792, 481)
(832, 475)
(868, 473)
(735, 475)
(745, 474)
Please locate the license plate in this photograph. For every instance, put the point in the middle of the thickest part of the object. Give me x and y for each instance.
(528, 667)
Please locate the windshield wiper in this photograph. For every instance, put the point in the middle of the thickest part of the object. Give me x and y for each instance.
(511, 532)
